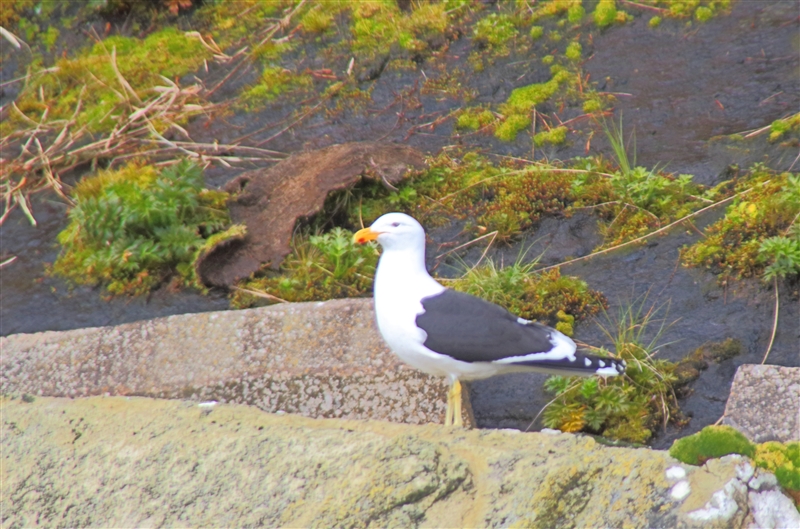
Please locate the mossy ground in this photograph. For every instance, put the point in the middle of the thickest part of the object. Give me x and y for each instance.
(759, 233)
(91, 86)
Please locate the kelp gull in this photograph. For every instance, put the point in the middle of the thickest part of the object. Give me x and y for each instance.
(455, 335)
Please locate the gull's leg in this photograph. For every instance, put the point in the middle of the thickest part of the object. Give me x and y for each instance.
(457, 421)
(448, 418)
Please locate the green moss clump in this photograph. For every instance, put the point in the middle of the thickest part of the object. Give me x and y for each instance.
(513, 124)
(274, 81)
(654, 22)
(575, 13)
(494, 31)
(573, 51)
(554, 136)
(709, 443)
(784, 461)
(592, 104)
(779, 127)
(523, 99)
(703, 14)
(474, 118)
(536, 32)
(320, 267)
(548, 59)
(317, 21)
(132, 228)
(605, 13)
(565, 323)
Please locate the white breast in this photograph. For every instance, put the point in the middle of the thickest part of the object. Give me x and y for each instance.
(398, 291)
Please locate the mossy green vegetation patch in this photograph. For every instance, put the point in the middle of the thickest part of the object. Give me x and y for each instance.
(629, 407)
(759, 233)
(505, 198)
(783, 459)
(274, 81)
(711, 442)
(531, 295)
(323, 266)
(132, 228)
(510, 196)
(117, 72)
(780, 127)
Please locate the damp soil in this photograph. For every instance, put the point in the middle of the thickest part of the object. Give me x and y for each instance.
(684, 90)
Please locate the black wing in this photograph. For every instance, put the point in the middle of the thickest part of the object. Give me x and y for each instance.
(473, 330)
(470, 329)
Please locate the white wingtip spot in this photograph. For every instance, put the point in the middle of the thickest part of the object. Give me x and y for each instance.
(523, 321)
(610, 371)
(602, 364)
(587, 362)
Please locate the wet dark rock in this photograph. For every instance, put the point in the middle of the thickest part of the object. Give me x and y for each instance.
(270, 201)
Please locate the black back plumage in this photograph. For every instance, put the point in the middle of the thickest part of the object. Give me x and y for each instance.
(470, 329)
(474, 330)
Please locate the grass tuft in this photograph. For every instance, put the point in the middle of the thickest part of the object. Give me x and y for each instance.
(629, 407)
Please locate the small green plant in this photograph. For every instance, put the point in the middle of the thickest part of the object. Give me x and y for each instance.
(654, 22)
(627, 407)
(320, 267)
(605, 13)
(636, 200)
(573, 51)
(130, 229)
(782, 459)
(703, 14)
(536, 32)
(575, 13)
(782, 253)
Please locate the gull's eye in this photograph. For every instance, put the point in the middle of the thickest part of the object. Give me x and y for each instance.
(395, 224)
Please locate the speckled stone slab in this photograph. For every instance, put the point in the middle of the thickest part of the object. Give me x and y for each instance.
(322, 359)
(765, 403)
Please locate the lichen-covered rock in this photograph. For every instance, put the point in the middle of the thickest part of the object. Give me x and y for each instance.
(133, 462)
(765, 403)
